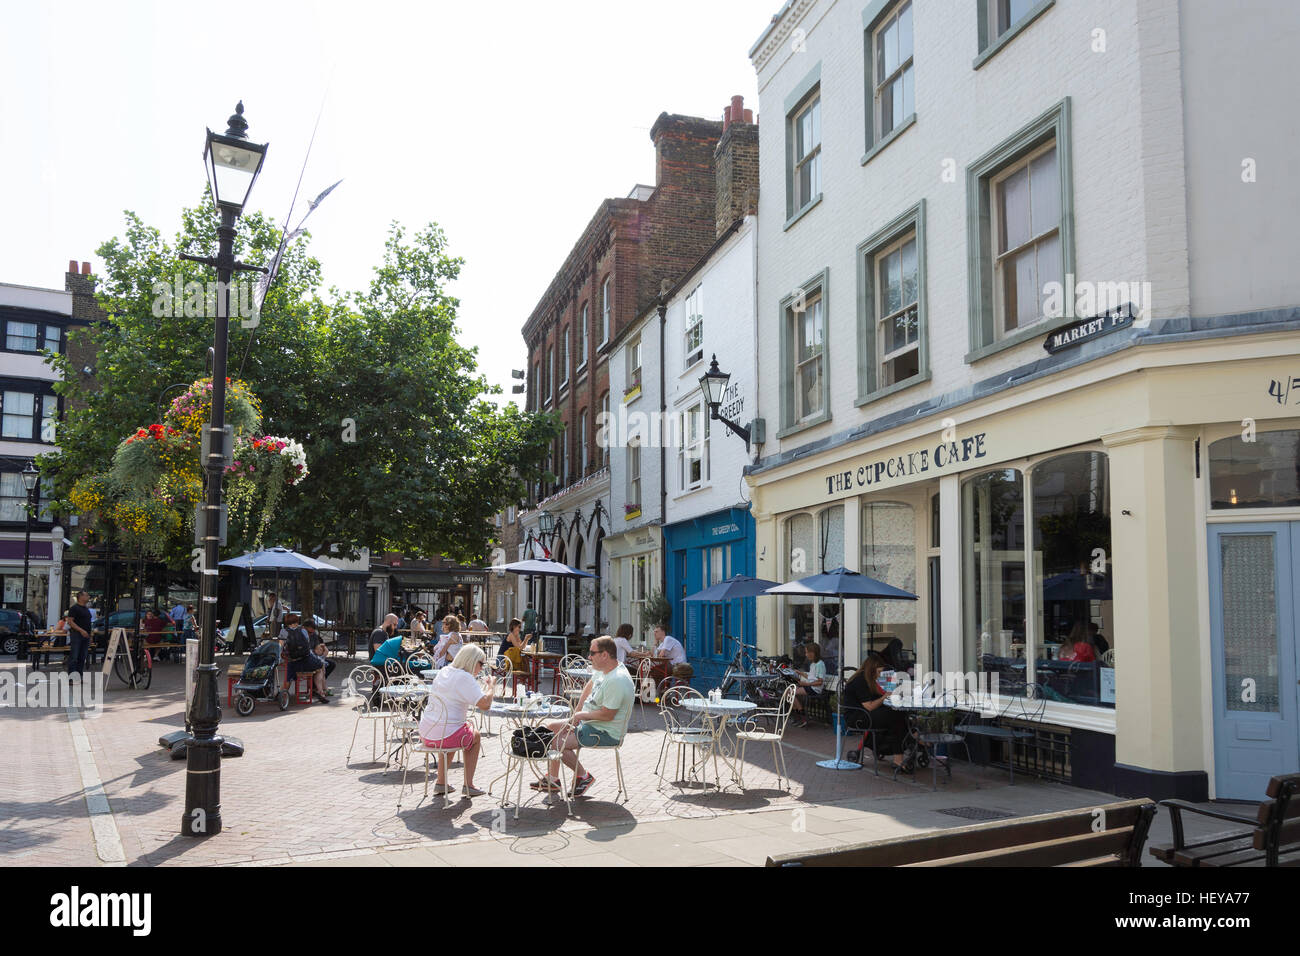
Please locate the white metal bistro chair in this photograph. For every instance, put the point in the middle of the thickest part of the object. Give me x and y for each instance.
(365, 681)
(534, 764)
(645, 687)
(618, 760)
(682, 729)
(415, 709)
(752, 730)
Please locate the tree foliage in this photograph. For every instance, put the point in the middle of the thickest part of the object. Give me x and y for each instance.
(405, 450)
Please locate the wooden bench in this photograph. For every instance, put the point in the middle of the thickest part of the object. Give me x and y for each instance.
(1273, 837)
(47, 651)
(1067, 838)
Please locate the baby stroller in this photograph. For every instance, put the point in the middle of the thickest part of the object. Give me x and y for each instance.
(259, 680)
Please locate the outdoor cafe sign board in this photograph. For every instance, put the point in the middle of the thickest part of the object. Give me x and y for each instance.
(1085, 330)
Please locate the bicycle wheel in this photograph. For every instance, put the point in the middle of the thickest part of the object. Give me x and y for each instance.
(143, 670)
(122, 667)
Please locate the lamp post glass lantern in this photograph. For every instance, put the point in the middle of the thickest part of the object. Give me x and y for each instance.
(233, 164)
(713, 384)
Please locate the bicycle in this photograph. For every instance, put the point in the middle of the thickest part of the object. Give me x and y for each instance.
(133, 665)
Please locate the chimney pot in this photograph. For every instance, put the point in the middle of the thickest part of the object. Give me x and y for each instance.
(749, 116)
(726, 118)
(737, 108)
(85, 268)
(72, 266)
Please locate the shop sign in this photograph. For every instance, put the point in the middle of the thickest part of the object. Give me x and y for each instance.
(1085, 330)
(721, 529)
(942, 457)
(733, 402)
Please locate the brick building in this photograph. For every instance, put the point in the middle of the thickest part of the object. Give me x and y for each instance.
(629, 249)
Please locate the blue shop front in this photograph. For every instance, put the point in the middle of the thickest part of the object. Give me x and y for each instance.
(700, 552)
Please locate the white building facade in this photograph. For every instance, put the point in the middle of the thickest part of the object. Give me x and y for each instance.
(31, 321)
(634, 437)
(1015, 361)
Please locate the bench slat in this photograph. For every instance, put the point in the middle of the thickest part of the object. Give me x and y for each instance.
(1044, 853)
(956, 841)
(1215, 853)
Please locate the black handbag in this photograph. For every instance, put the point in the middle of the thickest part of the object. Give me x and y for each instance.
(530, 741)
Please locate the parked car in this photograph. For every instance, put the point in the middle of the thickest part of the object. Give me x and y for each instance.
(11, 626)
(261, 626)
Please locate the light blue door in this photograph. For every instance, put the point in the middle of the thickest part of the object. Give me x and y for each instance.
(1254, 576)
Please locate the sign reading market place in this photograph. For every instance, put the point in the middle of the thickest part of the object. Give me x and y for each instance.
(1087, 329)
(942, 457)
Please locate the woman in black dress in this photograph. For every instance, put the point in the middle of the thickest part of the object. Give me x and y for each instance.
(862, 692)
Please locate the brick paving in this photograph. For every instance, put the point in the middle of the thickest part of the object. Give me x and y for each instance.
(294, 796)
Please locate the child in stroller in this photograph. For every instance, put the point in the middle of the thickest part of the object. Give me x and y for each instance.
(259, 680)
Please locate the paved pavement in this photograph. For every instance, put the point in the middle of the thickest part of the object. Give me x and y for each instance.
(295, 797)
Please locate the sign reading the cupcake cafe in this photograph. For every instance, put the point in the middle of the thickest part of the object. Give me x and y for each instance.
(943, 456)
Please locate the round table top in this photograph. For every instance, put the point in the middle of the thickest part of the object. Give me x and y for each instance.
(724, 706)
(503, 708)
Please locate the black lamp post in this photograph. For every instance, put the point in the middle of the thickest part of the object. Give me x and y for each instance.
(31, 478)
(545, 529)
(232, 164)
(713, 384)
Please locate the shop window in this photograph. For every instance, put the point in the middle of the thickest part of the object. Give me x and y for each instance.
(801, 555)
(1071, 579)
(889, 555)
(1264, 473)
(1053, 627)
(993, 592)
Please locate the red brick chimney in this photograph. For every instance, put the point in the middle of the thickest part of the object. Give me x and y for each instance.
(736, 164)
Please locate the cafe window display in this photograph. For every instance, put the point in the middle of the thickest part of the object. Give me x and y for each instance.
(815, 543)
(889, 555)
(1262, 473)
(1052, 627)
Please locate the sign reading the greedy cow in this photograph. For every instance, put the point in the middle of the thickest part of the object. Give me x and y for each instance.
(944, 456)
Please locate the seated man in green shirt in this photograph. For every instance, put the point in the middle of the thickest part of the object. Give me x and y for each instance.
(599, 720)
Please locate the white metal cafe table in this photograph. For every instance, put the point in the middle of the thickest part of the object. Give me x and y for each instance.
(719, 714)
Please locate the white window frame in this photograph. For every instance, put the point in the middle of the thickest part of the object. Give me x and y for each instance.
(815, 302)
(609, 427)
(564, 358)
(582, 338)
(582, 437)
(694, 450)
(605, 311)
(693, 337)
(883, 358)
(10, 337)
(884, 85)
(634, 365)
(550, 373)
(634, 473)
(1002, 258)
(806, 154)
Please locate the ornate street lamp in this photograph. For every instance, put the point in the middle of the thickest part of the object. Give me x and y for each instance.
(546, 524)
(31, 478)
(713, 384)
(232, 164)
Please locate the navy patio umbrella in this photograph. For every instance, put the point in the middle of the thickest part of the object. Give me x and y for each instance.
(842, 583)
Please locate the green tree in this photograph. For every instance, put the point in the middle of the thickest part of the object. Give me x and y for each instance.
(405, 451)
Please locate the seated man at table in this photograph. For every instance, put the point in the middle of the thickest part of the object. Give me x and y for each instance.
(381, 635)
(298, 650)
(599, 719)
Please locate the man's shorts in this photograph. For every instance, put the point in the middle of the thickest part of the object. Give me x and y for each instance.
(590, 736)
